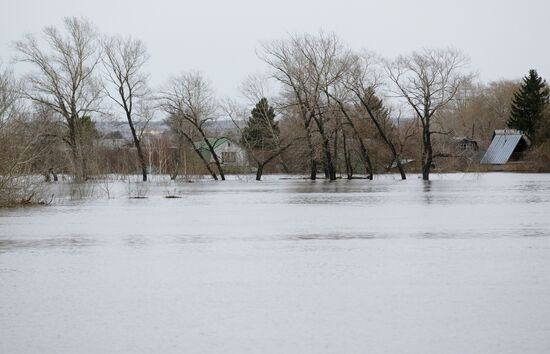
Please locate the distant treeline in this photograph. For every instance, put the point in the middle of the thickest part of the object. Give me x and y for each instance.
(320, 109)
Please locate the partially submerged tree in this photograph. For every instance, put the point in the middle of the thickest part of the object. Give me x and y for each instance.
(428, 80)
(362, 81)
(123, 63)
(347, 110)
(63, 79)
(189, 101)
(308, 67)
(529, 105)
(288, 68)
(326, 60)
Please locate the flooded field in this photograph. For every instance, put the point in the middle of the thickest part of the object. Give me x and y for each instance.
(460, 264)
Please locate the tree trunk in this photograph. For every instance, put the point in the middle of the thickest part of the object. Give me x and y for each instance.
(427, 152)
(400, 168)
(81, 156)
(142, 163)
(262, 163)
(347, 159)
(259, 172)
(137, 144)
(311, 151)
(214, 155)
(364, 153)
(283, 163)
(329, 161)
(83, 163)
(388, 142)
(73, 144)
(79, 167)
(77, 170)
(177, 160)
(313, 170)
(210, 170)
(335, 150)
(327, 156)
(198, 152)
(368, 163)
(176, 167)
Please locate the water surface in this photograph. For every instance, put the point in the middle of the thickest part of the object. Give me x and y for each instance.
(460, 264)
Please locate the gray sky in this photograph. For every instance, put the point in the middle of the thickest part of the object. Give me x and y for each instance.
(504, 39)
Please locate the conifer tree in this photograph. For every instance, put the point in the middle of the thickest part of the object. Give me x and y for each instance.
(529, 104)
(261, 131)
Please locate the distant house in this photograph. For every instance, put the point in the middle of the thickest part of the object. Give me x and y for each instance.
(228, 152)
(506, 145)
(113, 140)
(464, 145)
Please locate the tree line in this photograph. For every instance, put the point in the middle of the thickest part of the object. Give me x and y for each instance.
(320, 107)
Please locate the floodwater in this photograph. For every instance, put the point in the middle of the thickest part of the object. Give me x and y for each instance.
(460, 264)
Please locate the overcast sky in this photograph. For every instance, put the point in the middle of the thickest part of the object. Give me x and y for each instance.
(504, 39)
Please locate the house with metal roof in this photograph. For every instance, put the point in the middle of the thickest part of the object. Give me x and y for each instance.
(229, 152)
(506, 145)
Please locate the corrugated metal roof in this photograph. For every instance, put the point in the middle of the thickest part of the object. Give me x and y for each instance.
(502, 146)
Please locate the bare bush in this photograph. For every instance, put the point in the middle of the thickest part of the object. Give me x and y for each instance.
(20, 148)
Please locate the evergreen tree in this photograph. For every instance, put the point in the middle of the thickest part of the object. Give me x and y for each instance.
(261, 131)
(529, 104)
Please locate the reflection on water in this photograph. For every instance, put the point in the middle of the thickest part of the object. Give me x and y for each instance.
(339, 236)
(135, 240)
(427, 188)
(65, 243)
(188, 239)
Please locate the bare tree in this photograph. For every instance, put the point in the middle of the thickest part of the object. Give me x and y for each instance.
(64, 79)
(326, 59)
(343, 102)
(363, 80)
(123, 62)
(189, 101)
(288, 68)
(428, 80)
(308, 67)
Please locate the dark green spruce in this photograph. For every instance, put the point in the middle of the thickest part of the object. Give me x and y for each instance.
(261, 131)
(529, 104)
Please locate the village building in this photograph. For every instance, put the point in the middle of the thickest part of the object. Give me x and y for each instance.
(229, 152)
(506, 145)
(464, 146)
(114, 140)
